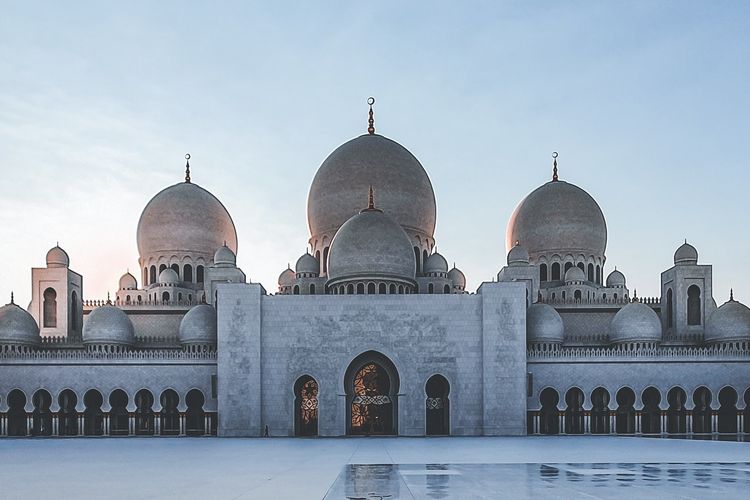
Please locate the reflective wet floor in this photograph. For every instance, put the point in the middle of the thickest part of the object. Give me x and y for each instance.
(519, 481)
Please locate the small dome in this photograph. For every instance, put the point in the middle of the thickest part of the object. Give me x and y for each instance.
(575, 273)
(287, 277)
(435, 263)
(128, 282)
(686, 255)
(371, 244)
(457, 277)
(57, 257)
(108, 325)
(307, 264)
(616, 279)
(635, 322)
(17, 326)
(198, 326)
(341, 181)
(168, 277)
(558, 217)
(518, 256)
(544, 324)
(225, 257)
(728, 323)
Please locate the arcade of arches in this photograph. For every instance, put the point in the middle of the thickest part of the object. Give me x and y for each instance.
(674, 412)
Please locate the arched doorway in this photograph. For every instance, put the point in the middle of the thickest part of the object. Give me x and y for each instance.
(93, 418)
(371, 384)
(702, 412)
(676, 414)
(574, 411)
(651, 414)
(42, 416)
(625, 416)
(195, 417)
(144, 413)
(727, 411)
(600, 411)
(437, 406)
(549, 416)
(118, 414)
(306, 406)
(170, 416)
(17, 413)
(67, 416)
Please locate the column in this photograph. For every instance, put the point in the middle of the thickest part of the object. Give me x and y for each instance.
(131, 424)
(182, 424)
(80, 424)
(638, 416)
(106, 424)
(740, 430)
(29, 424)
(587, 422)
(689, 422)
(207, 425)
(663, 422)
(562, 422)
(55, 424)
(612, 422)
(157, 424)
(3, 431)
(714, 423)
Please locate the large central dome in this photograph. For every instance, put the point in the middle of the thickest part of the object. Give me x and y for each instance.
(184, 219)
(558, 217)
(404, 189)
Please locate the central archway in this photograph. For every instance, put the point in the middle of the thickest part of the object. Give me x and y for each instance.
(371, 383)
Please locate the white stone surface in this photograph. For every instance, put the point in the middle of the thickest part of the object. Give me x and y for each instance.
(280, 468)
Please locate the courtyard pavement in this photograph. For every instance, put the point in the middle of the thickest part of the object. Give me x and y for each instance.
(316, 468)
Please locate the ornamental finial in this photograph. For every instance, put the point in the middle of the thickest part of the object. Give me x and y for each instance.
(731, 295)
(109, 301)
(554, 166)
(187, 168)
(371, 199)
(371, 120)
(11, 298)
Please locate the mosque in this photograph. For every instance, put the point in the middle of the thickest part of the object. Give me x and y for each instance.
(372, 332)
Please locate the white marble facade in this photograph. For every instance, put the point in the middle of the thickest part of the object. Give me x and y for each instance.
(372, 332)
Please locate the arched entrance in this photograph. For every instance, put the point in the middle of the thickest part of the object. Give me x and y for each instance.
(437, 406)
(549, 416)
(306, 406)
(371, 385)
(195, 416)
(42, 416)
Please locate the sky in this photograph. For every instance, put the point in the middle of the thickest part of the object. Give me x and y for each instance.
(646, 103)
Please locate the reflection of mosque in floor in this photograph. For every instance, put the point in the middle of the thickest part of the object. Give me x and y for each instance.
(372, 332)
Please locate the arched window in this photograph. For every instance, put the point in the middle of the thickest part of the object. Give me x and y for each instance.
(382, 289)
(393, 288)
(670, 308)
(144, 413)
(295, 290)
(306, 406)
(195, 417)
(582, 267)
(556, 271)
(437, 406)
(542, 272)
(187, 273)
(175, 268)
(598, 275)
(430, 288)
(145, 276)
(199, 274)
(312, 288)
(350, 289)
(417, 259)
(371, 288)
(41, 423)
(424, 257)
(152, 275)
(694, 305)
(127, 299)
(161, 268)
(563, 295)
(140, 299)
(577, 295)
(446, 289)
(651, 414)
(317, 257)
(67, 416)
(360, 288)
(325, 260)
(74, 311)
(568, 265)
(549, 416)
(401, 289)
(118, 415)
(50, 308)
(165, 297)
(591, 272)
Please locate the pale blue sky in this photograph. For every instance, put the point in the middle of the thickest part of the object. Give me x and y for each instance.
(647, 103)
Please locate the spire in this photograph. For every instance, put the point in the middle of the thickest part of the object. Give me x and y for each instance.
(187, 168)
(371, 120)
(371, 199)
(11, 298)
(635, 295)
(109, 301)
(731, 295)
(554, 167)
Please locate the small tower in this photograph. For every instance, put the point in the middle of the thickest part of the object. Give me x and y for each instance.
(686, 297)
(56, 296)
(520, 269)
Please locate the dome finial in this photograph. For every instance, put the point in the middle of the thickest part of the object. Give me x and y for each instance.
(371, 199)
(109, 301)
(371, 120)
(554, 166)
(187, 168)
(731, 295)
(11, 298)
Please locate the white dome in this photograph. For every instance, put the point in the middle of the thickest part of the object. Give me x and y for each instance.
(686, 255)
(128, 282)
(371, 244)
(225, 257)
(307, 264)
(457, 277)
(168, 277)
(198, 326)
(575, 273)
(404, 189)
(57, 257)
(287, 277)
(108, 325)
(728, 323)
(616, 279)
(184, 219)
(544, 324)
(635, 322)
(17, 326)
(518, 256)
(558, 218)
(435, 263)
